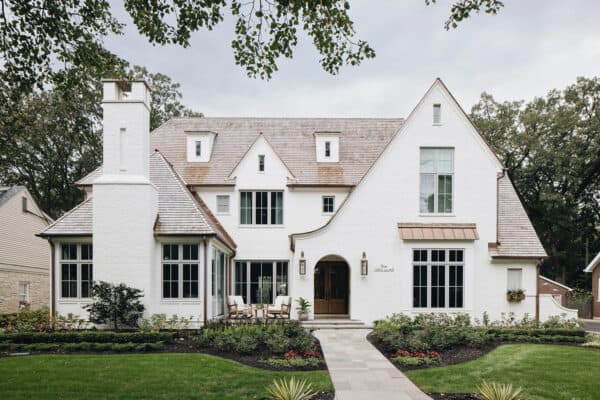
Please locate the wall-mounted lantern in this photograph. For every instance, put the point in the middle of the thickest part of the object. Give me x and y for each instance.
(364, 265)
(302, 264)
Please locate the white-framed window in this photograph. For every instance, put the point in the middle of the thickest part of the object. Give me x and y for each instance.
(24, 291)
(76, 270)
(328, 204)
(514, 278)
(198, 148)
(222, 204)
(436, 176)
(261, 163)
(437, 114)
(438, 278)
(180, 271)
(259, 282)
(261, 208)
(219, 263)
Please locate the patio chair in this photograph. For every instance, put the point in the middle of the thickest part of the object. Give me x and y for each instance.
(236, 308)
(281, 308)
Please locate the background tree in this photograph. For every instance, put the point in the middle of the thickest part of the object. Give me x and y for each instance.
(50, 139)
(39, 36)
(116, 305)
(551, 149)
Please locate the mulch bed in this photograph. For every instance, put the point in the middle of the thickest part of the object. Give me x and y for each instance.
(453, 396)
(452, 356)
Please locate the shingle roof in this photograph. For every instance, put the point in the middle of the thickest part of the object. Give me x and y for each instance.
(77, 222)
(179, 212)
(361, 141)
(516, 236)
(7, 192)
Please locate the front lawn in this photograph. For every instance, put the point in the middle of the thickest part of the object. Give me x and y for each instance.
(139, 376)
(543, 371)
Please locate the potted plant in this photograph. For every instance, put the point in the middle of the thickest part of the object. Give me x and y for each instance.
(303, 309)
(515, 295)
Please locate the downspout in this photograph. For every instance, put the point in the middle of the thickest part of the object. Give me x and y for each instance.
(537, 289)
(205, 278)
(52, 279)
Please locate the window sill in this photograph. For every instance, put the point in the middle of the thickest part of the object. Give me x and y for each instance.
(227, 214)
(438, 124)
(437, 215)
(73, 300)
(266, 226)
(180, 301)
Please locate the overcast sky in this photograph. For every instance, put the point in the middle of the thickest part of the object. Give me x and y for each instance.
(529, 48)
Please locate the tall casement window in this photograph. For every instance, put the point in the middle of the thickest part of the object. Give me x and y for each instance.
(76, 270)
(327, 149)
(328, 204)
(180, 272)
(438, 278)
(437, 175)
(198, 148)
(218, 264)
(514, 279)
(261, 208)
(261, 163)
(259, 282)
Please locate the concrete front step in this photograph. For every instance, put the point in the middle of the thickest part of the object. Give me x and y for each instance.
(335, 324)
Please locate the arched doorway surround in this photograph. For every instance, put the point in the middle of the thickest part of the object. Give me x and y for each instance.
(332, 286)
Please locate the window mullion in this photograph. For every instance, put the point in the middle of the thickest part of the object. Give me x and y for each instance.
(428, 272)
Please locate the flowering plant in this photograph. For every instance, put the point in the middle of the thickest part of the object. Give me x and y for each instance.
(515, 295)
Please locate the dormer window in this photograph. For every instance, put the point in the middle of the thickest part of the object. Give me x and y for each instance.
(327, 145)
(261, 163)
(437, 114)
(199, 146)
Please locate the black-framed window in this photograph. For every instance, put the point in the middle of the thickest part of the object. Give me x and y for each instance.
(328, 204)
(438, 278)
(261, 163)
(76, 270)
(261, 208)
(180, 271)
(259, 282)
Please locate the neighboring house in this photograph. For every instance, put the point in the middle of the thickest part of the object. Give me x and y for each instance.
(557, 290)
(23, 256)
(595, 271)
(363, 217)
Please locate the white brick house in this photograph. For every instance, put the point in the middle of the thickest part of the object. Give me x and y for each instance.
(363, 217)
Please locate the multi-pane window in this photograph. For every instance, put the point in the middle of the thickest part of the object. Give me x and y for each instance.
(437, 114)
(261, 163)
(222, 203)
(328, 204)
(438, 278)
(437, 173)
(261, 208)
(24, 291)
(180, 272)
(76, 270)
(259, 282)
(514, 279)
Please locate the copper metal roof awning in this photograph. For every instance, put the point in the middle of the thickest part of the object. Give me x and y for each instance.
(435, 231)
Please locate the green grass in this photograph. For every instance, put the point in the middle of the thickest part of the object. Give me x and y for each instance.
(139, 376)
(543, 371)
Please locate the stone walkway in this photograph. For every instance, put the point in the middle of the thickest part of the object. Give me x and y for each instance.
(359, 371)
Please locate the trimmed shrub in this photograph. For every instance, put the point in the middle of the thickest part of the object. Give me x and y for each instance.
(87, 336)
(27, 321)
(293, 362)
(278, 343)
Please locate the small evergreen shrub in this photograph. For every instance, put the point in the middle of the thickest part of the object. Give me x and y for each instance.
(293, 362)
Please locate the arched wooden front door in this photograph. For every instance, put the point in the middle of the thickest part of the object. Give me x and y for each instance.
(331, 287)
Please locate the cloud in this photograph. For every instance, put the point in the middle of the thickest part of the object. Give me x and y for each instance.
(526, 50)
